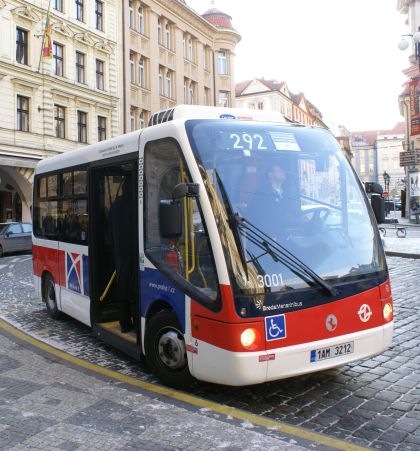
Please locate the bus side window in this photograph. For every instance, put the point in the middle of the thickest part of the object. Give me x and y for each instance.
(190, 255)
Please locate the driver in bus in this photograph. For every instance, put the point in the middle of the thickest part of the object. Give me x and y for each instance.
(271, 205)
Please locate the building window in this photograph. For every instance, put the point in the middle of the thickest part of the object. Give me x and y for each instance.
(167, 36)
(101, 128)
(260, 105)
(160, 83)
(142, 122)
(159, 30)
(21, 46)
(100, 74)
(58, 59)
(190, 49)
(140, 20)
(206, 56)
(131, 14)
(168, 84)
(60, 121)
(80, 67)
(207, 96)
(82, 127)
(224, 99)
(132, 121)
(58, 5)
(22, 113)
(141, 73)
(99, 15)
(132, 76)
(79, 10)
(222, 62)
(191, 94)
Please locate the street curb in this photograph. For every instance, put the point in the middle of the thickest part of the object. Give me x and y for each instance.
(293, 432)
(401, 254)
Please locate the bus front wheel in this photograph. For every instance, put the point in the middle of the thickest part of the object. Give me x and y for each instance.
(48, 296)
(165, 350)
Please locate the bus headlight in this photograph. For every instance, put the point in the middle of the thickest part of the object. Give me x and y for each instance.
(387, 311)
(248, 337)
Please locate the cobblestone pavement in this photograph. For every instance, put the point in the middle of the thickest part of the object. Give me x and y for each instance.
(373, 403)
(47, 405)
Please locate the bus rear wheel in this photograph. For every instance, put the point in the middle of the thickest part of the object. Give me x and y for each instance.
(165, 350)
(48, 296)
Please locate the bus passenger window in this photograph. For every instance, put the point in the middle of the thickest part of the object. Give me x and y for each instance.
(189, 256)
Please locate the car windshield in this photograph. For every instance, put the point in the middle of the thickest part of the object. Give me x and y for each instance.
(3, 227)
(284, 193)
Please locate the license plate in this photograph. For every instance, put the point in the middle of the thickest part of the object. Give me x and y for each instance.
(332, 351)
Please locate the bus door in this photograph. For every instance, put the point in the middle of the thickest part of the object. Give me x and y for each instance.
(114, 186)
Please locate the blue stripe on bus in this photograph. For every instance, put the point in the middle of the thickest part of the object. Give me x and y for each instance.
(154, 286)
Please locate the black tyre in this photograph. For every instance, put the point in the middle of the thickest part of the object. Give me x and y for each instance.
(1, 252)
(165, 350)
(48, 296)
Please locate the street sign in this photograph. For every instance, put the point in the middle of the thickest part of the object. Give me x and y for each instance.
(410, 157)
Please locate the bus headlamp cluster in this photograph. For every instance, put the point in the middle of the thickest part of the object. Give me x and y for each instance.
(387, 311)
(248, 337)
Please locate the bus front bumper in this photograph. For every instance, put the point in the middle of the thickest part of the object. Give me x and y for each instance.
(213, 364)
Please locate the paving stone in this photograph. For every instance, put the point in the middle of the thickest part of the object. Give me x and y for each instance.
(407, 424)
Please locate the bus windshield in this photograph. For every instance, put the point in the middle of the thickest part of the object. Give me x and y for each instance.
(290, 211)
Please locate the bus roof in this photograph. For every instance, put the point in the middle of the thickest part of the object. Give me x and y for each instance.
(210, 112)
(118, 145)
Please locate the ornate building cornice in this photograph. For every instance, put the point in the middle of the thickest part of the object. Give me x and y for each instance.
(27, 12)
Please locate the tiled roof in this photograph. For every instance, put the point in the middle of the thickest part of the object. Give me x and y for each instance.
(369, 137)
(240, 87)
(218, 18)
(272, 85)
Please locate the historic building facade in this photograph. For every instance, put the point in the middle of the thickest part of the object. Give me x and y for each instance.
(110, 65)
(172, 55)
(274, 95)
(376, 157)
(55, 103)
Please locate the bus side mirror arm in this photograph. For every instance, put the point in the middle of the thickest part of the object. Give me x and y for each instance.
(185, 190)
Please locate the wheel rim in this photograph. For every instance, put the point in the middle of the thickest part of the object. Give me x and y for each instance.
(171, 350)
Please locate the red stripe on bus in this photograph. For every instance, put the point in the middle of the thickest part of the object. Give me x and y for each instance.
(354, 314)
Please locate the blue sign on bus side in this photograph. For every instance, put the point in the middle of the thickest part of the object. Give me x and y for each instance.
(275, 327)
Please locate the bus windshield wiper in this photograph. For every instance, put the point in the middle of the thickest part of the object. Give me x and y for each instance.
(279, 253)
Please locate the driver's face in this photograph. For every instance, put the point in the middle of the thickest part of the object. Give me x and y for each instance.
(277, 174)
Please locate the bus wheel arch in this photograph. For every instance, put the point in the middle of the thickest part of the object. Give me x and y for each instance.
(49, 295)
(165, 348)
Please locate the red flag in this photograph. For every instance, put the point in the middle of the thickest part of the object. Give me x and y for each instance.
(47, 51)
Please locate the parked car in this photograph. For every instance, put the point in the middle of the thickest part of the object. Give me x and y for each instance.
(15, 237)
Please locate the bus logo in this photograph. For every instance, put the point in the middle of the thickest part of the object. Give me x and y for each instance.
(365, 312)
(73, 272)
(275, 327)
(227, 116)
(331, 323)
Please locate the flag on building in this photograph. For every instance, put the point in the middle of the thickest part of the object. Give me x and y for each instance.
(47, 51)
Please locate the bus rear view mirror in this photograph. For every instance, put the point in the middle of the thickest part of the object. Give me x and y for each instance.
(170, 218)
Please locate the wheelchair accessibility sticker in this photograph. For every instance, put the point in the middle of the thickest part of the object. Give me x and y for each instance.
(275, 327)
